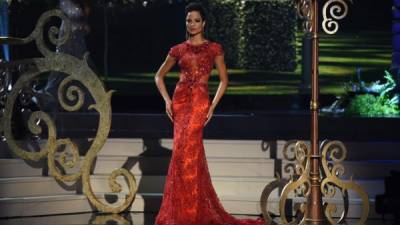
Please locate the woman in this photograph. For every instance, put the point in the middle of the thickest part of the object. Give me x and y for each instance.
(189, 197)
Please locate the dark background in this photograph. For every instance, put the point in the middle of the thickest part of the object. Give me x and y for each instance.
(140, 37)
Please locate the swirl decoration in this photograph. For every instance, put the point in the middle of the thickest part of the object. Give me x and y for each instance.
(289, 155)
(299, 184)
(77, 70)
(110, 219)
(334, 10)
(305, 12)
(333, 154)
(278, 183)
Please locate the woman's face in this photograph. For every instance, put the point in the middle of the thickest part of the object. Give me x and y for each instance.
(194, 23)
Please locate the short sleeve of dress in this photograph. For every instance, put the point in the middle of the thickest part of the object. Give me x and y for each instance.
(218, 50)
(174, 51)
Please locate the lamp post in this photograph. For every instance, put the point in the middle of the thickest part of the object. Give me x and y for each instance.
(309, 11)
(314, 215)
(318, 169)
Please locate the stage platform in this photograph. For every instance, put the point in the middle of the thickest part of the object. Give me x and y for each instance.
(128, 219)
(252, 117)
(260, 125)
(244, 150)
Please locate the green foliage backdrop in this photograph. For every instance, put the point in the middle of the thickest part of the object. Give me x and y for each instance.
(255, 34)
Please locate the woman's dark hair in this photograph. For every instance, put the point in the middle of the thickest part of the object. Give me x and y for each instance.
(196, 6)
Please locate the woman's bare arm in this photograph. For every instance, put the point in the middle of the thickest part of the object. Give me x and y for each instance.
(223, 77)
(159, 79)
(223, 84)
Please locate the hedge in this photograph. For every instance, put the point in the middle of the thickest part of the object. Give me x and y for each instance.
(255, 34)
(223, 27)
(268, 35)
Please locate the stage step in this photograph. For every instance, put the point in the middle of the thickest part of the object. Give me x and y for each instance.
(66, 204)
(20, 168)
(246, 167)
(213, 148)
(231, 148)
(45, 186)
(243, 148)
(163, 147)
(130, 218)
(83, 219)
(356, 151)
(240, 170)
(360, 170)
(252, 167)
(241, 186)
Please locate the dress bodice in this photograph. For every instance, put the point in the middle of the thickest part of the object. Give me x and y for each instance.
(196, 61)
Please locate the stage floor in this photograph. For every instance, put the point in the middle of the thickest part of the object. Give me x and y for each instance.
(131, 219)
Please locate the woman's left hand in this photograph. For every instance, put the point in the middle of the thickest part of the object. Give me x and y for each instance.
(209, 114)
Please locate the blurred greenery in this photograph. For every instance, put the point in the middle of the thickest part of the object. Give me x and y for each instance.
(370, 105)
(340, 56)
(264, 42)
(374, 99)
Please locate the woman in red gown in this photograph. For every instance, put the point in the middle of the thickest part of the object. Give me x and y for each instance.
(189, 197)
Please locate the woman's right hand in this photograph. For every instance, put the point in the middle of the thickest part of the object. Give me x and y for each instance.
(168, 110)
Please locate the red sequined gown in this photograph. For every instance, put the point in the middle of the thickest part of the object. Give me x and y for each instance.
(189, 197)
